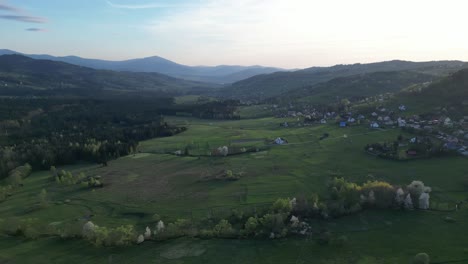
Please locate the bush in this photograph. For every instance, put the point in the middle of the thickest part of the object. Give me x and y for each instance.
(282, 206)
(223, 229)
(251, 226)
(421, 258)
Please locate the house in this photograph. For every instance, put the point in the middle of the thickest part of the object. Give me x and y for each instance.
(343, 124)
(414, 140)
(402, 108)
(351, 120)
(451, 146)
(374, 125)
(280, 141)
(323, 121)
(448, 122)
(411, 153)
(361, 117)
(387, 118)
(401, 122)
(374, 114)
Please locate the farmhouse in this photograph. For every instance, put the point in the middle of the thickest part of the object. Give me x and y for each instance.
(374, 125)
(280, 141)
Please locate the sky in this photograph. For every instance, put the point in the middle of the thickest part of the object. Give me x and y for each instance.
(281, 33)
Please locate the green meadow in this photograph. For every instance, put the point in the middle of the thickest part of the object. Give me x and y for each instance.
(155, 181)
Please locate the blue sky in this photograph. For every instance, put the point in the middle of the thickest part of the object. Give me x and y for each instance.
(283, 33)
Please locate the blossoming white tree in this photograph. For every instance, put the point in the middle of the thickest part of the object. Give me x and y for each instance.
(140, 239)
(424, 201)
(294, 221)
(400, 196)
(88, 229)
(408, 202)
(147, 233)
(224, 151)
(159, 227)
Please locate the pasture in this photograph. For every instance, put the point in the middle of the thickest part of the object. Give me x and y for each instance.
(154, 181)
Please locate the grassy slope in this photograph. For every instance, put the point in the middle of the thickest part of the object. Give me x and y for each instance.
(141, 185)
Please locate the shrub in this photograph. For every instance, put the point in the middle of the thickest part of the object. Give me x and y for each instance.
(282, 206)
(251, 226)
(223, 229)
(421, 258)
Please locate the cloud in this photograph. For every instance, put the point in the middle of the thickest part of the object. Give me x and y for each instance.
(307, 32)
(17, 14)
(143, 6)
(27, 19)
(5, 7)
(36, 29)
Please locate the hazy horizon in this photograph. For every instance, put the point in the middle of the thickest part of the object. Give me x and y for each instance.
(278, 33)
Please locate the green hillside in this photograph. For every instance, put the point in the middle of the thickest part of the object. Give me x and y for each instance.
(270, 85)
(19, 73)
(450, 93)
(357, 86)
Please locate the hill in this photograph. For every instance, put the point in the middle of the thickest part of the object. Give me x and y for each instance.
(22, 73)
(450, 93)
(357, 86)
(270, 85)
(217, 74)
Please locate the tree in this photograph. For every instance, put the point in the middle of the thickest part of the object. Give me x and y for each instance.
(424, 201)
(421, 258)
(159, 227)
(140, 239)
(223, 229)
(416, 188)
(282, 206)
(408, 202)
(251, 225)
(400, 197)
(147, 233)
(88, 230)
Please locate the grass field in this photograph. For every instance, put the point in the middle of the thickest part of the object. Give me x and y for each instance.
(138, 186)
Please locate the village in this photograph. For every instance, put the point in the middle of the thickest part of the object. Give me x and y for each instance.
(452, 133)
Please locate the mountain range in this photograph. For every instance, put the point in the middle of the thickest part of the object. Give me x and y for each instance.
(22, 75)
(217, 74)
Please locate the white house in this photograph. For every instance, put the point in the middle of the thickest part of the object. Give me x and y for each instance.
(402, 108)
(448, 122)
(280, 141)
(374, 125)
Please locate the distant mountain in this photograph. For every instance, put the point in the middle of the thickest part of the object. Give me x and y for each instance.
(269, 85)
(357, 87)
(18, 72)
(218, 74)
